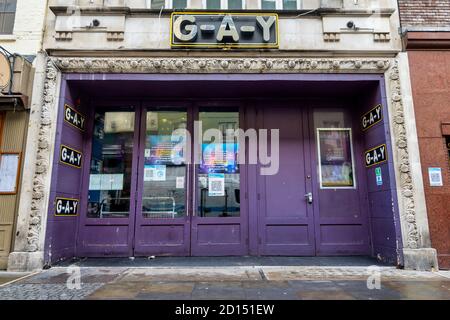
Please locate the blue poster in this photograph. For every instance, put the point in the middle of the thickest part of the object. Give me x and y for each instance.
(219, 158)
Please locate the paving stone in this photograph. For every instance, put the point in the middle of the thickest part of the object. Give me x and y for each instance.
(192, 274)
(219, 291)
(46, 292)
(163, 296)
(271, 293)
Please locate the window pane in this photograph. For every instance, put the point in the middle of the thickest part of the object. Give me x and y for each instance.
(164, 192)
(111, 165)
(268, 4)
(218, 182)
(234, 4)
(7, 23)
(336, 163)
(158, 4)
(179, 4)
(212, 4)
(290, 4)
(10, 6)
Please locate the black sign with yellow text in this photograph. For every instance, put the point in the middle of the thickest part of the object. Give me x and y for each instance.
(223, 30)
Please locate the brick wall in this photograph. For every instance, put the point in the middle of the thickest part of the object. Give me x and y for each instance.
(430, 13)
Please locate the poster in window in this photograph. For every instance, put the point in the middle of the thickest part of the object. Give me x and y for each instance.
(219, 158)
(9, 168)
(336, 166)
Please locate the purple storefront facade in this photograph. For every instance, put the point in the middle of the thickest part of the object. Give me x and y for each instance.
(275, 216)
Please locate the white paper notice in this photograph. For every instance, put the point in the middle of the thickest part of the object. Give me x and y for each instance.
(435, 176)
(105, 182)
(147, 153)
(95, 182)
(116, 181)
(9, 164)
(155, 173)
(216, 184)
(180, 183)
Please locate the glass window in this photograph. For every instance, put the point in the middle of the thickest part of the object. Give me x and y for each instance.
(111, 165)
(218, 184)
(158, 4)
(179, 4)
(335, 158)
(234, 4)
(212, 4)
(268, 4)
(7, 16)
(290, 4)
(164, 191)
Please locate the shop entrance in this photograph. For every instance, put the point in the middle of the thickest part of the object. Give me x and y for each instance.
(155, 188)
(315, 204)
(147, 195)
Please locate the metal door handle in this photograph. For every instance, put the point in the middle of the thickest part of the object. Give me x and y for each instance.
(309, 197)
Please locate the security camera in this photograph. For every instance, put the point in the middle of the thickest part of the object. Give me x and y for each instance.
(350, 25)
(95, 23)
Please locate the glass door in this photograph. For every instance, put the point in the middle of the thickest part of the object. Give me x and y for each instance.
(108, 216)
(162, 224)
(218, 225)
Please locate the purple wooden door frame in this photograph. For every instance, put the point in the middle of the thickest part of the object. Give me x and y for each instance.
(226, 242)
(361, 238)
(295, 231)
(107, 236)
(168, 236)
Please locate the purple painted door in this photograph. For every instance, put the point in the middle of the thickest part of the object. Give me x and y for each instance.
(219, 220)
(286, 222)
(340, 205)
(163, 212)
(109, 180)
(314, 204)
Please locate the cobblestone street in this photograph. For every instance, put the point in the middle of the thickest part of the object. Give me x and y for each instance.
(227, 282)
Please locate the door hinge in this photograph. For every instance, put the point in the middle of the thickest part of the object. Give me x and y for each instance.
(259, 196)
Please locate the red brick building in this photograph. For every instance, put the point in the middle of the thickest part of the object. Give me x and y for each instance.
(426, 38)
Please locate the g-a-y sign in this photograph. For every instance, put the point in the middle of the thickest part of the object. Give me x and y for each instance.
(218, 30)
(376, 155)
(66, 206)
(70, 156)
(372, 117)
(73, 117)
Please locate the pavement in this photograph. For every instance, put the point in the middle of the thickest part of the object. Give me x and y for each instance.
(225, 279)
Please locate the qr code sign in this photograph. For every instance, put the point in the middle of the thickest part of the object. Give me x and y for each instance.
(435, 176)
(216, 186)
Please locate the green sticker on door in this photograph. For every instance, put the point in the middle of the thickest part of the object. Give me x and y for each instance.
(378, 176)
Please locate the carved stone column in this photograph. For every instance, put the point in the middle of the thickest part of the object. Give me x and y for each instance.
(28, 251)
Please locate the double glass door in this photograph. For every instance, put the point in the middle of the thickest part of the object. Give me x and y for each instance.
(161, 185)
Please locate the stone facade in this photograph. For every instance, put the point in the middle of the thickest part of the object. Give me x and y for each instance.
(372, 47)
(26, 41)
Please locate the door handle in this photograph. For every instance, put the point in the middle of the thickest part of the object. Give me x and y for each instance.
(309, 197)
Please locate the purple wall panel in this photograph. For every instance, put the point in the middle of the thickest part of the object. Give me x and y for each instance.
(61, 230)
(382, 199)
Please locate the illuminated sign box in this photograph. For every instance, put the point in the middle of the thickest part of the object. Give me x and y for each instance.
(224, 30)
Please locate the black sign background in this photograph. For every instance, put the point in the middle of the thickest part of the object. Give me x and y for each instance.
(208, 39)
(66, 206)
(70, 154)
(375, 155)
(74, 118)
(372, 117)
